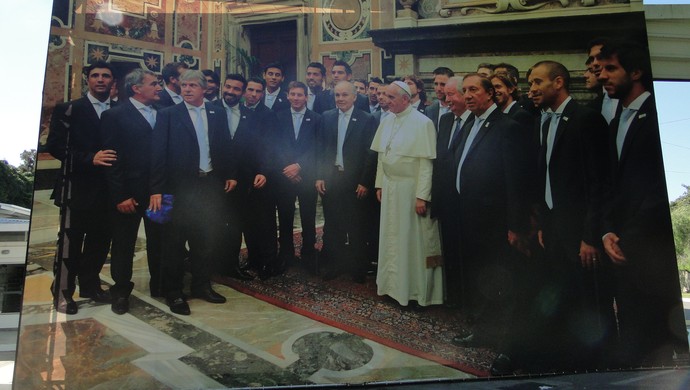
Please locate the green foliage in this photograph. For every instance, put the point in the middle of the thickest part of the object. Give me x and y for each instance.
(250, 65)
(680, 216)
(28, 162)
(15, 187)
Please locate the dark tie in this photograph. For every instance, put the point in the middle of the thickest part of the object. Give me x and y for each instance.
(456, 132)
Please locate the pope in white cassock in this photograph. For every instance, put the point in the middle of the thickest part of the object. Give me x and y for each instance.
(410, 265)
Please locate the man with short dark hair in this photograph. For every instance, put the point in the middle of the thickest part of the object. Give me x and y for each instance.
(190, 161)
(254, 94)
(274, 98)
(372, 93)
(608, 106)
(638, 233)
(341, 71)
(128, 130)
(213, 82)
(485, 69)
(74, 139)
(295, 145)
(170, 95)
(439, 107)
(361, 86)
(315, 75)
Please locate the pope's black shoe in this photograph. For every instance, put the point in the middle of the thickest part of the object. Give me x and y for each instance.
(120, 305)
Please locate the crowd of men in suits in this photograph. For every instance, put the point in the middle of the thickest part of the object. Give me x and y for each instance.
(553, 215)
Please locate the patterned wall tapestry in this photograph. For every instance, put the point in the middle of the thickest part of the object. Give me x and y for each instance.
(142, 20)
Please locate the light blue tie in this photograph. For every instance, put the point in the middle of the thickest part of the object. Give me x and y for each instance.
(228, 114)
(623, 126)
(342, 129)
(202, 139)
(149, 114)
(296, 122)
(470, 138)
(550, 139)
(102, 106)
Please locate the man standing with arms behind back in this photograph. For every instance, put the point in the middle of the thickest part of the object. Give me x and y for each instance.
(638, 234)
(75, 140)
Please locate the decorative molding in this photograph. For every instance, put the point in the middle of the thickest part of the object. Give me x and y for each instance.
(147, 59)
(345, 20)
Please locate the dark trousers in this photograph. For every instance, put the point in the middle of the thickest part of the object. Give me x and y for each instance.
(251, 212)
(125, 230)
(197, 220)
(88, 234)
(285, 202)
(344, 231)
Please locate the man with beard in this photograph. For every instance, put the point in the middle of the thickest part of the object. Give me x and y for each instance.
(372, 93)
(251, 208)
(506, 100)
(314, 78)
(638, 234)
(383, 112)
(170, 95)
(439, 107)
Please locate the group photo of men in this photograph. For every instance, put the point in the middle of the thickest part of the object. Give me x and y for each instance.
(543, 220)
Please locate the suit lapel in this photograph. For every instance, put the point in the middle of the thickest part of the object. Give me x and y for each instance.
(483, 130)
(305, 127)
(640, 118)
(351, 125)
(568, 112)
(136, 116)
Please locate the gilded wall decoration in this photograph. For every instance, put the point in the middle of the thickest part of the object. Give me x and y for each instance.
(359, 61)
(63, 13)
(191, 61)
(147, 59)
(143, 20)
(188, 23)
(345, 20)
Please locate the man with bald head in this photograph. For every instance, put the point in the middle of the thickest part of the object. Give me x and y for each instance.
(409, 266)
(344, 177)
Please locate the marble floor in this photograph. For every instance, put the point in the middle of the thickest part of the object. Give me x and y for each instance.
(242, 343)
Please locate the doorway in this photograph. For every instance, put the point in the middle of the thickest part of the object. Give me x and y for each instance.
(275, 42)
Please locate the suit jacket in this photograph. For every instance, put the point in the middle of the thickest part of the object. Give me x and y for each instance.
(325, 101)
(301, 150)
(358, 158)
(78, 122)
(443, 176)
(493, 193)
(175, 150)
(126, 131)
(432, 111)
(281, 102)
(165, 100)
(637, 206)
(522, 116)
(251, 146)
(578, 172)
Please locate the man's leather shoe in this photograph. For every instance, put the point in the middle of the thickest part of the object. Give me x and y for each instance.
(472, 340)
(98, 295)
(67, 306)
(120, 305)
(265, 273)
(240, 274)
(209, 295)
(502, 366)
(179, 306)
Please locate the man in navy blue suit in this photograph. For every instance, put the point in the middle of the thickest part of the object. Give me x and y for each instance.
(295, 146)
(75, 140)
(190, 160)
(128, 129)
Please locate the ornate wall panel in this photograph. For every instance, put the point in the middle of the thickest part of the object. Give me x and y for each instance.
(142, 20)
(345, 20)
(360, 61)
(188, 24)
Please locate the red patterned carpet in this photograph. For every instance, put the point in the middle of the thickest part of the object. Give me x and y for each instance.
(356, 308)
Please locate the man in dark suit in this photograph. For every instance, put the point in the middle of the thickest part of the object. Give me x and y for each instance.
(251, 209)
(444, 197)
(345, 173)
(314, 78)
(638, 234)
(295, 146)
(416, 84)
(572, 173)
(190, 160)
(372, 94)
(213, 82)
(274, 98)
(439, 107)
(254, 95)
(341, 71)
(127, 129)
(75, 140)
(170, 95)
(490, 178)
(607, 105)
(507, 101)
